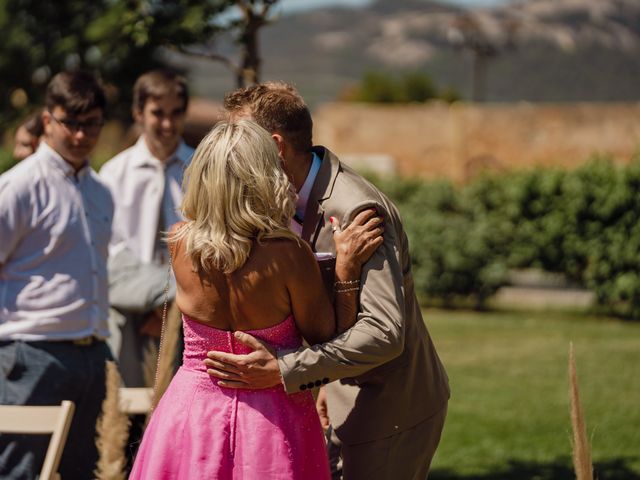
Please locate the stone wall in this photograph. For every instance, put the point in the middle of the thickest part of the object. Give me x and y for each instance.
(458, 141)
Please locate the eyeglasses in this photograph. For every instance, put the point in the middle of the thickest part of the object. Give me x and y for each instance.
(91, 127)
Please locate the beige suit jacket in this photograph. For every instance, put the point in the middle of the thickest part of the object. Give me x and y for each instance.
(386, 375)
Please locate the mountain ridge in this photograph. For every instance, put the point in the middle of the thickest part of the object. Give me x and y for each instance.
(543, 50)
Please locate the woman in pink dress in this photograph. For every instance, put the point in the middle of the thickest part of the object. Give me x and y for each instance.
(239, 267)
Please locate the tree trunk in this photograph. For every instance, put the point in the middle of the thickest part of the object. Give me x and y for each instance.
(250, 64)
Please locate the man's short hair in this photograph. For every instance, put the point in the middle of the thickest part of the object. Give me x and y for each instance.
(276, 107)
(159, 83)
(76, 92)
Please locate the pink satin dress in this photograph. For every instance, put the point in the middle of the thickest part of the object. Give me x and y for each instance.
(203, 431)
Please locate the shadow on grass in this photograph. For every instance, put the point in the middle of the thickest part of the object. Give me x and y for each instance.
(560, 469)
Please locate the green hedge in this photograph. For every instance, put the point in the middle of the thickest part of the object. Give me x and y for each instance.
(584, 224)
(6, 160)
(410, 87)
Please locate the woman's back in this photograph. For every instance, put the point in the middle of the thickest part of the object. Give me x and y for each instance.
(253, 297)
(276, 281)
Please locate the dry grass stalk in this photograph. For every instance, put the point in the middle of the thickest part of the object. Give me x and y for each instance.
(112, 430)
(149, 361)
(166, 359)
(581, 451)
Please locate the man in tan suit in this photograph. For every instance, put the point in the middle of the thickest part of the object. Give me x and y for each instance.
(387, 389)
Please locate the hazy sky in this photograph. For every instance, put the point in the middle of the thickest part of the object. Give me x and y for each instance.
(293, 5)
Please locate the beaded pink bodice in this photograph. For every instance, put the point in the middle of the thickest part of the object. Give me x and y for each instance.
(201, 429)
(200, 339)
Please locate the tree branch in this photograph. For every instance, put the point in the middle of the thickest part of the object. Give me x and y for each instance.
(214, 56)
(243, 7)
(266, 6)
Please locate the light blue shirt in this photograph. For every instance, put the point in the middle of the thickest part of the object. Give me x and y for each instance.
(303, 194)
(55, 226)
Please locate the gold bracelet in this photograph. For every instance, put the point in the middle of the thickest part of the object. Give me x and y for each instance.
(346, 290)
(345, 283)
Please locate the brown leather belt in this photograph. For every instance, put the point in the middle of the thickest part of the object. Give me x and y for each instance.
(85, 341)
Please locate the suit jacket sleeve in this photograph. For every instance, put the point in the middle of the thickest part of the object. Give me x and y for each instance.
(138, 287)
(375, 339)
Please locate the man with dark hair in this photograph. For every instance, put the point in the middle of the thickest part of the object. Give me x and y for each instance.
(387, 391)
(145, 181)
(27, 136)
(158, 84)
(55, 225)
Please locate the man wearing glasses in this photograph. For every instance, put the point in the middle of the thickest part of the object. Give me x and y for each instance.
(55, 226)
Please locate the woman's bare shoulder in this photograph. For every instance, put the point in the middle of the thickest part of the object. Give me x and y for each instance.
(286, 248)
(175, 228)
(286, 256)
(175, 244)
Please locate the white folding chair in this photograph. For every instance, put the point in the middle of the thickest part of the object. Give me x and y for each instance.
(39, 420)
(135, 400)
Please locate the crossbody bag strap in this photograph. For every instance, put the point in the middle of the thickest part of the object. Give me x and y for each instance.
(163, 330)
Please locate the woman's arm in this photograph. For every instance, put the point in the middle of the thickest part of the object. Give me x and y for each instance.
(354, 246)
(317, 319)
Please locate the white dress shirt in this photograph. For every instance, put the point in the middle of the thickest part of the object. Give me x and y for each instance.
(55, 226)
(142, 188)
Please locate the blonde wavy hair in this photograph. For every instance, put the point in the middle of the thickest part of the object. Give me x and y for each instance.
(235, 193)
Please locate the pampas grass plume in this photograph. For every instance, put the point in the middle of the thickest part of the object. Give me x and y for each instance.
(581, 451)
(112, 430)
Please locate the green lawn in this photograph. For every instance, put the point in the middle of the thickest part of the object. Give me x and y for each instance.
(508, 415)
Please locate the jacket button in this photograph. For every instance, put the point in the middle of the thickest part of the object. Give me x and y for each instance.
(303, 387)
(325, 380)
(318, 383)
(311, 385)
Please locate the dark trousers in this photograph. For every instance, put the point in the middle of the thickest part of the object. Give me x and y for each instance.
(45, 373)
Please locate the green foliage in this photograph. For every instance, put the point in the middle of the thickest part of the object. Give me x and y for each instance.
(454, 253)
(377, 87)
(418, 87)
(584, 224)
(6, 160)
(117, 39)
(449, 95)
